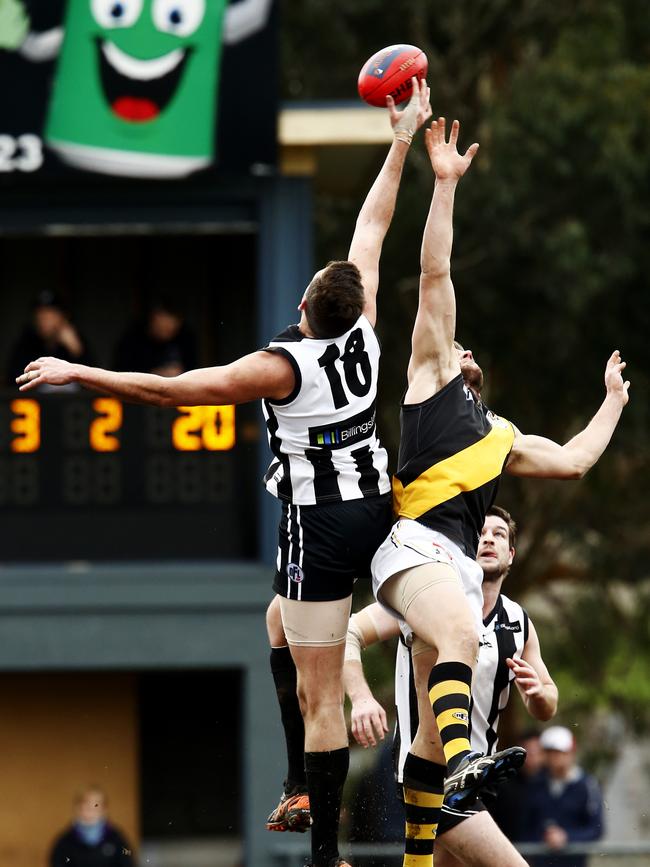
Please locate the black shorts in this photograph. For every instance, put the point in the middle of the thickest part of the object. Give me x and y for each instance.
(322, 549)
(450, 817)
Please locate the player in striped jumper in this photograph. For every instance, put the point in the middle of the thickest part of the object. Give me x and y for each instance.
(509, 652)
(318, 384)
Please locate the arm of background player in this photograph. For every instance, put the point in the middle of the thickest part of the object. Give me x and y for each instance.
(259, 375)
(536, 686)
(538, 457)
(433, 357)
(367, 718)
(377, 211)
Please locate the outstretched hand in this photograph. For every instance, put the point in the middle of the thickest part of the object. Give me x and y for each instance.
(50, 371)
(447, 163)
(614, 377)
(417, 112)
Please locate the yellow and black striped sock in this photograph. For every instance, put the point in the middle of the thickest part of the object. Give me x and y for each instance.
(449, 690)
(423, 796)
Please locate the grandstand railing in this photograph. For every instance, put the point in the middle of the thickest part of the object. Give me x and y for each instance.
(292, 853)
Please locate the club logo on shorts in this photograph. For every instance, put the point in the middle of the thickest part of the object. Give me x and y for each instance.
(461, 715)
(295, 573)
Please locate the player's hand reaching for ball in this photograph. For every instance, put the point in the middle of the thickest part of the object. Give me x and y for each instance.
(614, 377)
(418, 110)
(447, 163)
(50, 371)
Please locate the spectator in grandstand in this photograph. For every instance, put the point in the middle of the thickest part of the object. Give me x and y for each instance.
(160, 343)
(565, 802)
(50, 332)
(91, 840)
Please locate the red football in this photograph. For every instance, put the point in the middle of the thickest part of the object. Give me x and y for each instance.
(389, 73)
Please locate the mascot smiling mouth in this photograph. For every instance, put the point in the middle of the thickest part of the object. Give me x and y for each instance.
(138, 90)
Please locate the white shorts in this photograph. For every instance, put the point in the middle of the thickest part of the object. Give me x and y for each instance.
(409, 544)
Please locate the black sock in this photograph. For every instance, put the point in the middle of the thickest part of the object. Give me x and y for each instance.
(284, 676)
(326, 773)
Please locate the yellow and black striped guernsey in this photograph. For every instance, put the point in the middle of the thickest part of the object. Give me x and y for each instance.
(452, 453)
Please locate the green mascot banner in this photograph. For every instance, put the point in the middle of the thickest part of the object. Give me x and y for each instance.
(136, 86)
(136, 83)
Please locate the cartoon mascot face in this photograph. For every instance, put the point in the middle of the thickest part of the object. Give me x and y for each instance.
(135, 91)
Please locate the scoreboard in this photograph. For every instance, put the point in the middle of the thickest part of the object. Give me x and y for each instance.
(86, 478)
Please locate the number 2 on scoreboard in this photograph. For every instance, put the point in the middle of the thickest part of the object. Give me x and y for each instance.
(104, 428)
(204, 427)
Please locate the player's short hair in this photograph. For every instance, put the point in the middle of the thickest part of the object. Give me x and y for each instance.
(334, 300)
(506, 517)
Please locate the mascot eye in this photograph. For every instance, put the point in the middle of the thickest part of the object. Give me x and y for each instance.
(180, 17)
(116, 13)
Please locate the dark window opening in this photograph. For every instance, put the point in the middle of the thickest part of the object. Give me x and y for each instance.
(190, 741)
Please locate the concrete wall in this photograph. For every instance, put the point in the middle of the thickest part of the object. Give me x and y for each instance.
(135, 618)
(60, 733)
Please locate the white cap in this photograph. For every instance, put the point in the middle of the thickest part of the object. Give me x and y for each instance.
(557, 738)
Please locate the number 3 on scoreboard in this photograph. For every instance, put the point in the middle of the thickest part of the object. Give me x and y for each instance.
(26, 426)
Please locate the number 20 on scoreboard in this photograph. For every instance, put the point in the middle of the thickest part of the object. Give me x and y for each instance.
(196, 428)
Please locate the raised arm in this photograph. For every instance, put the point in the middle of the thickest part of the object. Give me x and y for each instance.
(434, 360)
(535, 456)
(259, 375)
(536, 686)
(377, 211)
(366, 627)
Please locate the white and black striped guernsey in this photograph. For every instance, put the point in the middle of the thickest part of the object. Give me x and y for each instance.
(504, 635)
(323, 435)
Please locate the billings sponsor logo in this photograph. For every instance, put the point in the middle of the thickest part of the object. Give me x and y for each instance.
(345, 433)
(508, 627)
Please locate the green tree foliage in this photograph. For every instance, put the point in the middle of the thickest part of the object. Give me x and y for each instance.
(551, 265)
